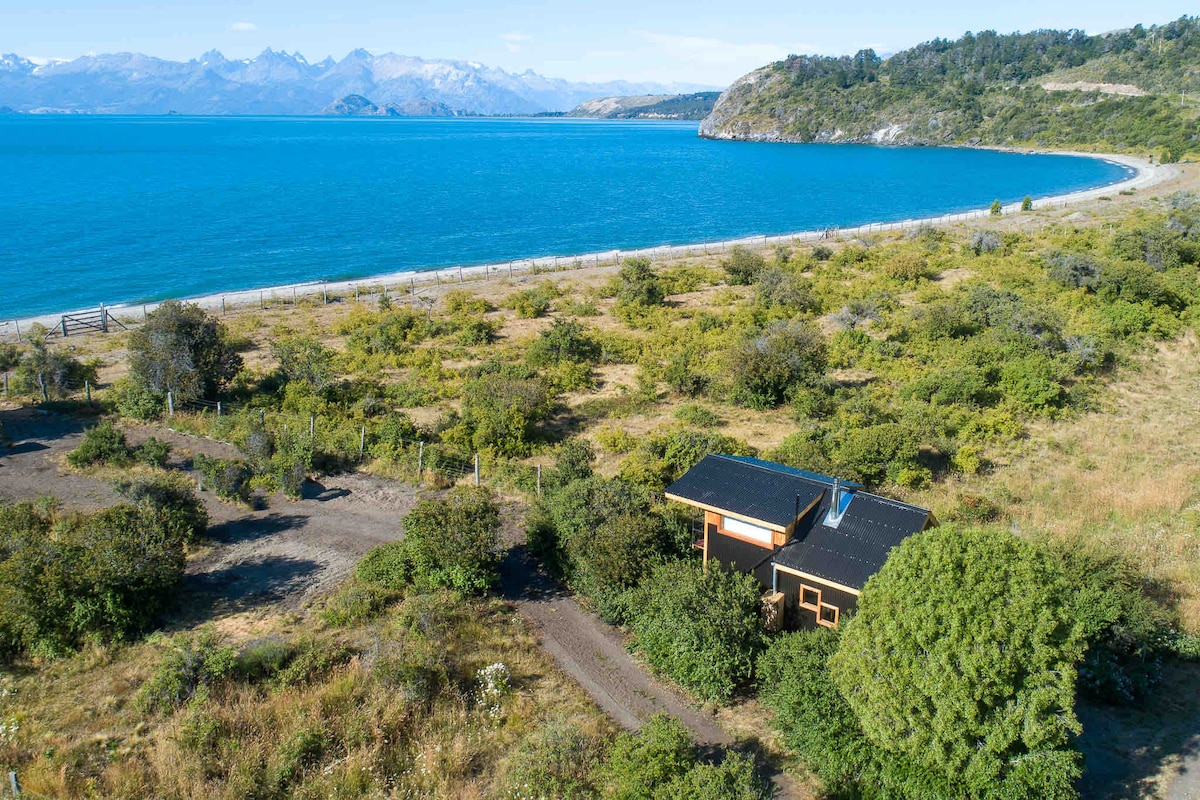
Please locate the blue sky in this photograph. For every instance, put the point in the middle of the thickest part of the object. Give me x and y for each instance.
(574, 39)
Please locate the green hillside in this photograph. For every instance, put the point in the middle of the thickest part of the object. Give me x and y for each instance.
(1136, 89)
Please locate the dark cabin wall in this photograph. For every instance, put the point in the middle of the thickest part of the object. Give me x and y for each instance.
(741, 556)
(802, 618)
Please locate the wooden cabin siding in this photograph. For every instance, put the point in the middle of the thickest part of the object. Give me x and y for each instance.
(804, 618)
(741, 556)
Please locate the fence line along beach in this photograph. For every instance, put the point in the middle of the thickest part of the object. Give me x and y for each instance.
(415, 283)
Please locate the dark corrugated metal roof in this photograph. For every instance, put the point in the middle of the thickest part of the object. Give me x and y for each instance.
(800, 473)
(858, 547)
(747, 489)
(848, 554)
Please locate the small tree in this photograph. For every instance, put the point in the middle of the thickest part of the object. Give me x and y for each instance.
(51, 374)
(564, 340)
(743, 266)
(962, 657)
(995, 208)
(452, 542)
(182, 350)
(305, 361)
(638, 285)
(782, 356)
(1027, 203)
(698, 626)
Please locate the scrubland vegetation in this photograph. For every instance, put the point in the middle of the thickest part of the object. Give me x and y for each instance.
(961, 369)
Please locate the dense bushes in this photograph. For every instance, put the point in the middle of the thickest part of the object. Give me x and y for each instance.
(957, 676)
(451, 542)
(69, 578)
(102, 444)
(700, 627)
(768, 365)
(49, 374)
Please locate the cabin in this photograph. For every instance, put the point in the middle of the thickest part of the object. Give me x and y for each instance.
(811, 540)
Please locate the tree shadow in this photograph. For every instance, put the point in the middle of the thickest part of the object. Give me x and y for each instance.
(28, 425)
(312, 490)
(258, 581)
(247, 529)
(524, 579)
(1125, 748)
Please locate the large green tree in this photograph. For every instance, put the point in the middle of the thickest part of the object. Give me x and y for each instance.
(962, 659)
(183, 350)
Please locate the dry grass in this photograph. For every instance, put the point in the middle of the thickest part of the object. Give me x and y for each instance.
(1127, 477)
(81, 733)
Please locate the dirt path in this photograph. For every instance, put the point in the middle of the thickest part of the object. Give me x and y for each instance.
(593, 653)
(283, 552)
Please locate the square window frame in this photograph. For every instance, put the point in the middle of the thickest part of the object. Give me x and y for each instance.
(837, 614)
(810, 606)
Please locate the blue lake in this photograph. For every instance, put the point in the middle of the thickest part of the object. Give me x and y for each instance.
(119, 209)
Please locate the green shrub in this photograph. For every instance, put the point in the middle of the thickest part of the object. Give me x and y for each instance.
(312, 659)
(262, 658)
(181, 513)
(700, 627)
(907, 267)
(566, 340)
(476, 332)
(743, 266)
(100, 577)
(554, 760)
(572, 462)
(617, 554)
(736, 777)
(102, 444)
(459, 302)
(181, 349)
(229, 478)
(500, 413)
(355, 603)
(136, 401)
(299, 751)
(984, 707)
(193, 664)
(387, 566)
(453, 541)
(778, 288)
(765, 367)
(810, 712)
(639, 763)
(638, 286)
(305, 361)
(534, 302)
(615, 440)
(699, 416)
(50, 374)
(153, 452)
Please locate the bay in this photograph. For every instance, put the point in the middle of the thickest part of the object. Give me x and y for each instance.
(128, 209)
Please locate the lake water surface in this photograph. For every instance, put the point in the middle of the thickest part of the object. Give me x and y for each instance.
(119, 209)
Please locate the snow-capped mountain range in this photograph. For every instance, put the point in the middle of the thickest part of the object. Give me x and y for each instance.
(287, 84)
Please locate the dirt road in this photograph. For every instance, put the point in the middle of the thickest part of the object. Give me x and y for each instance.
(282, 552)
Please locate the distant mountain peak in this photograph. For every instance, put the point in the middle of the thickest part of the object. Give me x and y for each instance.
(282, 83)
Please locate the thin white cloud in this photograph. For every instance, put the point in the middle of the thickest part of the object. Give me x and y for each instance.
(712, 52)
(514, 40)
(243, 27)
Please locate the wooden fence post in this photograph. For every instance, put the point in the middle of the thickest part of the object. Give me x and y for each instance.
(539, 480)
(12, 783)
(420, 460)
(260, 300)
(312, 426)
(170, 404)
(6, 384)
(222, 305)
(42, 383)
(18, 331)
(103, 319)
(87, 388)
(477, 469)
(362, 442)
(460, 279)
(325, 294)
(218, 408)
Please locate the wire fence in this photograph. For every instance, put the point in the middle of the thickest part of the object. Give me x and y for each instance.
(425, 286)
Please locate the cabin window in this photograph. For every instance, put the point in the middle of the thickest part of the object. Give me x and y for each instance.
(755, 533)
(827, 615)
(810, 598)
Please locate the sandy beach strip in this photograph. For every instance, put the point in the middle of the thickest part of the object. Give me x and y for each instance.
(415, 282)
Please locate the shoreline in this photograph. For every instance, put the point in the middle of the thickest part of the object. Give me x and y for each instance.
(413, 282)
